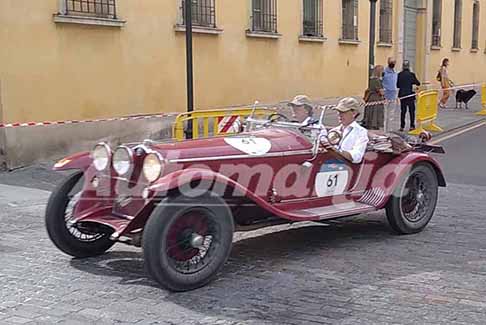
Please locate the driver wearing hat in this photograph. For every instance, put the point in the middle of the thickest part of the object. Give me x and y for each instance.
(354, 138)
(302, 109)
(302, 112)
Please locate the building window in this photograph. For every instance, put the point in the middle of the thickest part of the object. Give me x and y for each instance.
(436, 22)
(457, 24)
(203, 13)
(475, 30)
(98, 8)
(350, 19)
(313, 18)
(386, 21)
(264, 16)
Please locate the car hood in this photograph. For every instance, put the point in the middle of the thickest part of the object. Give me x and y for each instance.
(256, 143)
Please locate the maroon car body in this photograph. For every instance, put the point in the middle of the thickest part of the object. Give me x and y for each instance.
(264, 177)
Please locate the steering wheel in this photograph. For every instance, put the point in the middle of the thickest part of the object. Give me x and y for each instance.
(334, 137)
(277, 116)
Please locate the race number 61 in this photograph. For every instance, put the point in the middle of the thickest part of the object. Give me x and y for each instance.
(332, 181)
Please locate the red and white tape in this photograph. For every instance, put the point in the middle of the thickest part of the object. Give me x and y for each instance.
(50, 123)
(386, 101)
(143, 117)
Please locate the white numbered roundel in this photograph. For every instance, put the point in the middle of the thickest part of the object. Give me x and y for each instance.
(331, 179)
(250, 145)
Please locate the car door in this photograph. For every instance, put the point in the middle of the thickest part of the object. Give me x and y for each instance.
(334, 175)
(306, 178)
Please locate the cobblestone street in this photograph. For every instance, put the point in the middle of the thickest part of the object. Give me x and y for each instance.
(354, 271)
(348, 273)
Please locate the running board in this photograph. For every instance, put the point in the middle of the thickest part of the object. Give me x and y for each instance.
(333, 211)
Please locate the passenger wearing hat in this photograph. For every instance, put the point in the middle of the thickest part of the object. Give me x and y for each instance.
(302, 109)
(354, 138)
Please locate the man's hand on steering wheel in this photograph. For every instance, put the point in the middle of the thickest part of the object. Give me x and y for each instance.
(277, 116)
(326, 144)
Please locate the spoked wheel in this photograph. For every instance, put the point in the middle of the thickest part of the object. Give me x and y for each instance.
(413, 203)
(78, 240)
(192, 240)
(186, 241)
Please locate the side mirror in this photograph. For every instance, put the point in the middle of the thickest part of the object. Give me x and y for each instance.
(334, 137)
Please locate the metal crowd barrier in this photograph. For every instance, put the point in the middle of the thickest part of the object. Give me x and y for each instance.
(427, 110)
(483, 101)
(221, 121)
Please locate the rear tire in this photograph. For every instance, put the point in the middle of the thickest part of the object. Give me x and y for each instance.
(186, 241)
(66, 237)
(413, 202)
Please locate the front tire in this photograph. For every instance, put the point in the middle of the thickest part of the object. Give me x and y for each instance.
(413, 202)
(66, 236)
(186, 241)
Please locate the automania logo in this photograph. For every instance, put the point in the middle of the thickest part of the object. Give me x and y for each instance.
(271, 181)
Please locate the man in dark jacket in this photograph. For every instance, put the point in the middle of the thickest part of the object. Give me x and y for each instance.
(405, 82)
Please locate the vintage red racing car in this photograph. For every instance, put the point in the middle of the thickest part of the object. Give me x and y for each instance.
(182, 201)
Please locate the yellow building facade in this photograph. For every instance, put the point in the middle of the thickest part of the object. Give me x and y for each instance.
(59, 61)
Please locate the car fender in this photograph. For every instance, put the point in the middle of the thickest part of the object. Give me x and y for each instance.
(214, 181)
(81, 161)
(388, 177)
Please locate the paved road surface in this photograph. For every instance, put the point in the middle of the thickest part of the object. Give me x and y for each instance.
(465, 162)
(353, 272)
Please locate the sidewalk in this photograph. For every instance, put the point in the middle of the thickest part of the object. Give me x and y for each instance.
(448, 119)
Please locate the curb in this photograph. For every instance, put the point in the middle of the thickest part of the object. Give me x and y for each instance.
(445, 133)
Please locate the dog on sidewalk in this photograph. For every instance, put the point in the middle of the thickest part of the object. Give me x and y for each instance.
(464, 96)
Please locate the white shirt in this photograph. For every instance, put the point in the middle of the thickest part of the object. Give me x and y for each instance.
(354, 140)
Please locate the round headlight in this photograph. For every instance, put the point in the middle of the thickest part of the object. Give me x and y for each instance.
(101, 156)
(122, 160)
(152, 167)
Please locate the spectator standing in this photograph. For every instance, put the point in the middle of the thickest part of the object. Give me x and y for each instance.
(445, 82)
(405, 83)
(374, 114)
(390, 77)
